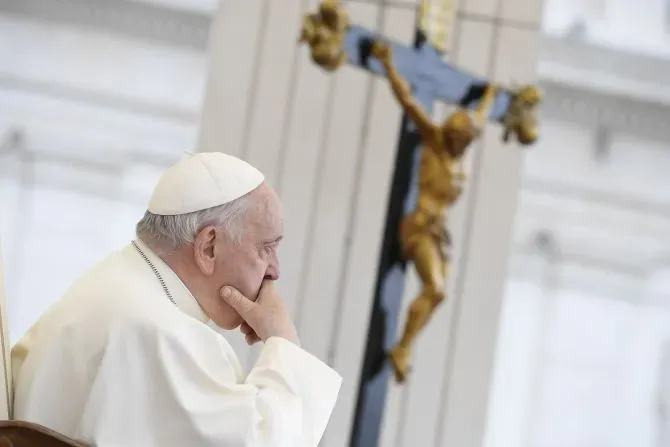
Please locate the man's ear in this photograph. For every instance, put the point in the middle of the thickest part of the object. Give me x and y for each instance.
(203, 250)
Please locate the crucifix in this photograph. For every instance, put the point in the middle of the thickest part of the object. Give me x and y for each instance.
(427, 178)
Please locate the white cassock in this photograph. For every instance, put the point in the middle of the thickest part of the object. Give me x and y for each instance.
(116, 363)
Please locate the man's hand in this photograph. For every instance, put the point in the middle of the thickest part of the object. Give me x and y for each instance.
(381, 51)
(249, 334)
(266, 317)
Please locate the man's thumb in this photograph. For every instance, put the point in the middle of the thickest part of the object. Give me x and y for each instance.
(236, 300)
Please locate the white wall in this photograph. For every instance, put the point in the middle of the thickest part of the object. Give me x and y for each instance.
(97, 117)
(586, 317)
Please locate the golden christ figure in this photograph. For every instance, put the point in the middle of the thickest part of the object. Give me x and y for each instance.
(424, 237)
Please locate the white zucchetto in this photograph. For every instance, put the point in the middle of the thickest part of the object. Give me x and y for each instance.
(202, 181)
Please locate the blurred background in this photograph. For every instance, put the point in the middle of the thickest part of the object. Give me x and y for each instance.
(97, 97)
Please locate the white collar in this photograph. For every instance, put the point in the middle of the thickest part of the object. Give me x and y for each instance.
(182, 297)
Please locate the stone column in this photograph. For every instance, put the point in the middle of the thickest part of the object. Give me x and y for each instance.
(498, 38)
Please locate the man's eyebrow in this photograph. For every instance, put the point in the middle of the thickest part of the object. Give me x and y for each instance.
(275, 240)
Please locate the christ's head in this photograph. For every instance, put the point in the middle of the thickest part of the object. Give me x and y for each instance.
(458, 131)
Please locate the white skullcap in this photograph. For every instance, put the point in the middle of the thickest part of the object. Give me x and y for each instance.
(203, 181)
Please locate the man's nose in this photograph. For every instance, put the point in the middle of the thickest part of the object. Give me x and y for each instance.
(273, 271)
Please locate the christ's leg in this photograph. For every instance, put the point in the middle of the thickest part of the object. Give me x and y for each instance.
(431, 267)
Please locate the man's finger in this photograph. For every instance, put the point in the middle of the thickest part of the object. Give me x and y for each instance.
(267, 284)
(237, 301)
(252, 338)
(246, 329)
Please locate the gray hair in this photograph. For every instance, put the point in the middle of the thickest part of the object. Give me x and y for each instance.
(176, 231)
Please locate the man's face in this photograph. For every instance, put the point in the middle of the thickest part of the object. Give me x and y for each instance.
(246, 264)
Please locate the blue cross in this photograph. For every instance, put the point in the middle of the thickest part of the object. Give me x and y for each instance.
(423, 68)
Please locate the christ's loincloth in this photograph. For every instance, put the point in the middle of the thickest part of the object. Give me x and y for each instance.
(417, 227)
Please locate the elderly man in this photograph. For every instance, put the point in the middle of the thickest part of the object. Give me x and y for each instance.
(132, 354)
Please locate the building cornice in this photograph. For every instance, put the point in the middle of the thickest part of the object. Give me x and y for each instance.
(570, 73)
(603, 87)
(616, 112)
(181, 27)
(560, 55)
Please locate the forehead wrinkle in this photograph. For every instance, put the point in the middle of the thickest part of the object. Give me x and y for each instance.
(264, 219)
